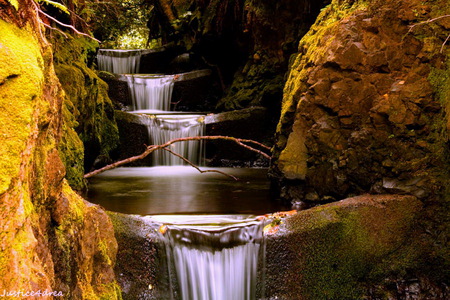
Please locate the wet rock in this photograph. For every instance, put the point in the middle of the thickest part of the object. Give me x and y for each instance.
(326, 252)
(232, 123)
(158, 60)
(134, 138)
(194, 91)
(118, 90)
(140, 270)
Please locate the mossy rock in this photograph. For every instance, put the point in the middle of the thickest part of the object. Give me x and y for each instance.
(20, 82)
(87, 109)
(46, 226)
(333, 251)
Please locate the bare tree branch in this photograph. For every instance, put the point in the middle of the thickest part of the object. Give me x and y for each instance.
(445, 42)
(197, 168)
(152, 148)
(428, 21)
(62, 24)
(55, 29)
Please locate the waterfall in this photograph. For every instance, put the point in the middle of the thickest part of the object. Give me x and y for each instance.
(119, 61)
(163, 128)
(150, 91)
(215, 259)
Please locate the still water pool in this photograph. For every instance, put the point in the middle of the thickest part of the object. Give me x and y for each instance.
(182, 190)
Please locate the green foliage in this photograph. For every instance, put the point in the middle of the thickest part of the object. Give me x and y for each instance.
(56, 4)
(118, 23)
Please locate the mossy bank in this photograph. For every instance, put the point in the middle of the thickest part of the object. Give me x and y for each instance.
(50, 238)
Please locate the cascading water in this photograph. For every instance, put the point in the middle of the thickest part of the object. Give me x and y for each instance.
(209, 257)
(163, 128)
(150, 91)
(119, 61)
(214, 257)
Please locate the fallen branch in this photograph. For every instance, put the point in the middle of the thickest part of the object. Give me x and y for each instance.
(153, 148)
(430, 21)
(197, 168)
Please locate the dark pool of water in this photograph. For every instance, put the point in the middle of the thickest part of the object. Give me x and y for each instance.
(182, 190)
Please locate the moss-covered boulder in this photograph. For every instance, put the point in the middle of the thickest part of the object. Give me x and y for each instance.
(339, 250)
(51, 241)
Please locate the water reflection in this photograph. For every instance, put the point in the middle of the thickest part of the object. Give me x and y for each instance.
(182, 189)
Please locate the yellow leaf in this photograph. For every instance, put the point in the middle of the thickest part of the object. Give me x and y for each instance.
(14, 3)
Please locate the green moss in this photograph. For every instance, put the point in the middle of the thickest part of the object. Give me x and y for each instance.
(21, 80)
(87, 109)
(341, 245)
(72, 149)
(14, 3)
(258, 84)
(110, 291)
(104, 252)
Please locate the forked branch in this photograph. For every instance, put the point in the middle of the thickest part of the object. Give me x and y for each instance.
(197, 168)
(241, 142)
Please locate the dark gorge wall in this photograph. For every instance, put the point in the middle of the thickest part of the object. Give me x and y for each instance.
(50, 238)
(247, 42)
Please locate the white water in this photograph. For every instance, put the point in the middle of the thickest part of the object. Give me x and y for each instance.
(119, 61)
(163, 128)
(150, 91)
(217, 260)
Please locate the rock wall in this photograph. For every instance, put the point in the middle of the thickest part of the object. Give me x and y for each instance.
(364, 105)
(365, 110)
(51, 240)
(88, 111)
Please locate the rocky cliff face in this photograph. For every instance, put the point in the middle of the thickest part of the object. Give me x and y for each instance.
(51, 239)
(365, 110)
(364, 106)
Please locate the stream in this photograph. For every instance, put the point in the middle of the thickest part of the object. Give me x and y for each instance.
(213, 240)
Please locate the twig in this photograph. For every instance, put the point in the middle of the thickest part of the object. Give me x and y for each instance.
(68, 26)
(36, 8)
(427, 21)
(445, 42)
(430, 21)
(197, 168)
(56, 29)
(152, 148)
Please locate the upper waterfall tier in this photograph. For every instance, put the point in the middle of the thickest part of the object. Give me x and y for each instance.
(119, 61)
(150, 91)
